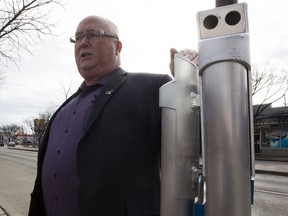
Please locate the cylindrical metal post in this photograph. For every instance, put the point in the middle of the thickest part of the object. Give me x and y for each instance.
(224, 63)
(227, 140)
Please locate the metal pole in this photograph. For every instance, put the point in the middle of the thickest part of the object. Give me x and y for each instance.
(220, 3)
(224, 64)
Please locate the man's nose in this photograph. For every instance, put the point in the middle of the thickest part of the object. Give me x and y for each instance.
(84, 41)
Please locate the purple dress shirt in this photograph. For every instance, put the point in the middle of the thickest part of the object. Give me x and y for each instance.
(59, 175)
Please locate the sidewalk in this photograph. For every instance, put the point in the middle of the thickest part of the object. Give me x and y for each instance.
(271, 165)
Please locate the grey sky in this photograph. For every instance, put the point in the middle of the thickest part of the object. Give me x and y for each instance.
(148, 29)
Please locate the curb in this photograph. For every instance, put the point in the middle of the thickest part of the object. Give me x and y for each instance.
(271, 172)
(24, 149)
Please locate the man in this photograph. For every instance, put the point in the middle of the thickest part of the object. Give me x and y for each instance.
(100, 152)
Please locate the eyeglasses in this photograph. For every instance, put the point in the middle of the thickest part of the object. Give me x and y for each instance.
(97, 33)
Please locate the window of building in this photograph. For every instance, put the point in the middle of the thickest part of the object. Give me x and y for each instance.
(274, 138)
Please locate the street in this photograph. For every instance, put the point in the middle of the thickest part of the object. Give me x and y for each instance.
(17, 175)
(18, 170)
(271, 195)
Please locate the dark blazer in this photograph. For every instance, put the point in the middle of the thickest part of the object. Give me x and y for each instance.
(118, 157)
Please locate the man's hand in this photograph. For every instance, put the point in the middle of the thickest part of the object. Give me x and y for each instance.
(190, 55)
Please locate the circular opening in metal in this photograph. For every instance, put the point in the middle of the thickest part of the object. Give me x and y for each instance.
(233, 18)
(210, 22)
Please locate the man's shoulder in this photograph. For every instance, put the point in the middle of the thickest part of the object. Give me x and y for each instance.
(148, 76)
(142, 78)
(142, 74)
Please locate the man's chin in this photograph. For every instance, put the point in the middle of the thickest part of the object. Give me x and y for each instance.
(86, 66)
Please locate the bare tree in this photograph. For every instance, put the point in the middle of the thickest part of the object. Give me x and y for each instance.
(269, 84)
(21, 23)
(9, 131)
(38, 124)
(1, 77)
(69, 90)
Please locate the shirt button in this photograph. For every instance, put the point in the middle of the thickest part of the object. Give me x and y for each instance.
(74, 112)
(66, 131)
(55, 175)
(58, 152)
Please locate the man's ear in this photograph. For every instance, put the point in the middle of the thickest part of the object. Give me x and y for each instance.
(118, 47)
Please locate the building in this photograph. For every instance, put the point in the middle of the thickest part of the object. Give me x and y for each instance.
(271, 131)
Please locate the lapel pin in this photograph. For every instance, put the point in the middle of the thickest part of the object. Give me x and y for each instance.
(109, 92)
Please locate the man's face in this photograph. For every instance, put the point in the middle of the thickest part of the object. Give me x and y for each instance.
(96, 56)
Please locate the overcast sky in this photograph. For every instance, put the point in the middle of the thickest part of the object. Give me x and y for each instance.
(148, 29)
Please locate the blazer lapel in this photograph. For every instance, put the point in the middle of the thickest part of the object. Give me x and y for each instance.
(106, 94)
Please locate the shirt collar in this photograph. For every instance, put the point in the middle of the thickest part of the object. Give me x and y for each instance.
(101, 82)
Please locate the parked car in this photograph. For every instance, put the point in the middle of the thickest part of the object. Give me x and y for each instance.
(26, 143)
(1, 143)
(11, 144)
